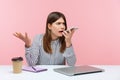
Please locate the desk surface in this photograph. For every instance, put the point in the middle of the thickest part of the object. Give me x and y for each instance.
(112, 72)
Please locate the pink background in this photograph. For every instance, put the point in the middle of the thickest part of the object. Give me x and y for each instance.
(97, 41)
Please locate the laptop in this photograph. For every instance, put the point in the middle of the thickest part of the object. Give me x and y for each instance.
(78, 70)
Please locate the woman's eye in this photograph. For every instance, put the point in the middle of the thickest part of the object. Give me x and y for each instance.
(63, 23)
(58, 23)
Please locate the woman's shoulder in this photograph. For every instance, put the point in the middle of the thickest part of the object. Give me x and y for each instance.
(39, 36)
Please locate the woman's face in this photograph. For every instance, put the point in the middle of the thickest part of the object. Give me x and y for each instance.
(57, 28)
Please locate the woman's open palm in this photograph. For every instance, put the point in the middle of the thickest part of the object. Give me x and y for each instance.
(24, 38)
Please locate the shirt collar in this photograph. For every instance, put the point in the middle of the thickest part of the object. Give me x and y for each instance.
(55, 41)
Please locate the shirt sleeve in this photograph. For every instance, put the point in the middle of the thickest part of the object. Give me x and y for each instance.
(70, 56)
(32, 52)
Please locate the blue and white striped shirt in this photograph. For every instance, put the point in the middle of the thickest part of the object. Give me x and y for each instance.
(36, 55)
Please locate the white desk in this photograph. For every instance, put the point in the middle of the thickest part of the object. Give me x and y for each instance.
(112, 72)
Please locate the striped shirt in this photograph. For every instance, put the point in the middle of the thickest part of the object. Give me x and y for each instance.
(35, 55)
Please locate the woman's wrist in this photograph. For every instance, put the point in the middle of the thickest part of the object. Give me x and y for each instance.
(27, 46)
(68, 44)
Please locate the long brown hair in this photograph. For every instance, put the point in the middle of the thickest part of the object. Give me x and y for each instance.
(52, 17)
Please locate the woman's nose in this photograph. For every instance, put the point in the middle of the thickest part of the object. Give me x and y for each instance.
(62, 26)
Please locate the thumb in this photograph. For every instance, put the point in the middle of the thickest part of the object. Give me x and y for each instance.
(26, 35)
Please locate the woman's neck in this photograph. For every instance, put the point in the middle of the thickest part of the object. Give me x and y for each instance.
(54, 38)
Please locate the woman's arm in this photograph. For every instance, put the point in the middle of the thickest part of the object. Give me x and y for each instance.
(70, 56)
(69, 52)
(32, 52)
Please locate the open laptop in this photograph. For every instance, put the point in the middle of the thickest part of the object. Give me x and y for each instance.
(78, 70)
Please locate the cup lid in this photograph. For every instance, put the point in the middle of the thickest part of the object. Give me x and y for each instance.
(17, 59)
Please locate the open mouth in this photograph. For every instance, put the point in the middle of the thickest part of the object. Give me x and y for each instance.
(60, 31)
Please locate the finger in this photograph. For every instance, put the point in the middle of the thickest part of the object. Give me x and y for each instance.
(73, 30)
(26, 35)
(64, 34)
(19, 35)
(22, 36)
(15, 34)
(69, 31)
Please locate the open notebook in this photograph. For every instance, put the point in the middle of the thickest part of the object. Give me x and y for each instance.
(33, 69)
(78, 70)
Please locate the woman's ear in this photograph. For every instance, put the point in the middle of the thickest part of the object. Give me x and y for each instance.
(49, 26)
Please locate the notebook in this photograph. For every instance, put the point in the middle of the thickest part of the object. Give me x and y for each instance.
(78, 70)
(33, 69)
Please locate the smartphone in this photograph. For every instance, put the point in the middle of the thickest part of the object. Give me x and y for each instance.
(72, 29)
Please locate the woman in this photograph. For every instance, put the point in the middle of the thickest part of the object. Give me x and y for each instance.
(52, 48)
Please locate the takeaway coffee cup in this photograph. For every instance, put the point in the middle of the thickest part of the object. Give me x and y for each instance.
(17, 64)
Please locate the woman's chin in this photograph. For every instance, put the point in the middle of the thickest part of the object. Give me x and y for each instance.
(60, 35)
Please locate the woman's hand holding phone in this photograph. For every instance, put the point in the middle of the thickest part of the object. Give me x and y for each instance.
(72, 29)
(68, 35)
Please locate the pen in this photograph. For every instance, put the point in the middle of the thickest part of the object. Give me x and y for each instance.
(33, 68)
